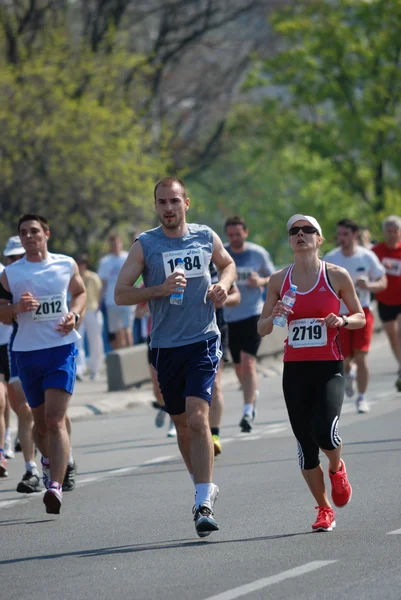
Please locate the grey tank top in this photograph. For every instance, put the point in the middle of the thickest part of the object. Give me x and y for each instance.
(195, 320)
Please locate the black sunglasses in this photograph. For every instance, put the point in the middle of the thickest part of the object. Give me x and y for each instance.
(304, 228)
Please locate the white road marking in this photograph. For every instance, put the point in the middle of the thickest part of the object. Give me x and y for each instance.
(160, 459)
(259, 584)
(396, 532)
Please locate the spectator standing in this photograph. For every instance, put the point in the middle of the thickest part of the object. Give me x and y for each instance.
(92, 323)
(119, 318)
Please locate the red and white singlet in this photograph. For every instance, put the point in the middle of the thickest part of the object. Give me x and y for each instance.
(308, 340)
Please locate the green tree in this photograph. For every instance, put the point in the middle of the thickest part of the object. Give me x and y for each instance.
(337, 94)
(72, 147)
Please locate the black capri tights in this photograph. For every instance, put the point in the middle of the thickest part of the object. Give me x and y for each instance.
(314, 393)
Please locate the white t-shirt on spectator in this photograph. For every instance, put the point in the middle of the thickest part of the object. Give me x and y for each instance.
(363, 263)
(109, 268)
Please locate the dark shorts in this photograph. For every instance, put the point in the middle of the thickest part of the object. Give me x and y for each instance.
(4, 366)
(186, 371)
(243, 337)
(388, 313)
(40, 370)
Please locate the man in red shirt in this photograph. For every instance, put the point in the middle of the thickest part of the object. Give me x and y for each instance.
(389, 300)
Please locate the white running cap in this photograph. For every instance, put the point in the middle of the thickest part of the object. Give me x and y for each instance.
(14, 247)
(310, 220)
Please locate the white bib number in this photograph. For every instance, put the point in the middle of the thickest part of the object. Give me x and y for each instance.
(50, 307)
(194, 263)
(392, 266)
(306, 333)
(242, 275)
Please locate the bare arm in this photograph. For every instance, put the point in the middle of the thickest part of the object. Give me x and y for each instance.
(344, 287)
(127, 295)
(225, 265)
(27, 303)
(77, 305)
(272, 303)
(373, 286)
(234, 296)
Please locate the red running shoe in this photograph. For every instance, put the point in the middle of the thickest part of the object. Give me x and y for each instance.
(341, 490)
(325, 519)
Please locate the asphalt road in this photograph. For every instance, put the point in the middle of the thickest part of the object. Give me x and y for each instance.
(127, 532)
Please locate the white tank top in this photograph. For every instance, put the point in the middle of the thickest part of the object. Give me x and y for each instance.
(48, 282)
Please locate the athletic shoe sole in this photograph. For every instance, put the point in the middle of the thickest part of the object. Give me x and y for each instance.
(205, 527)
(325, 529)
(245, 427)
(23, 488)
(52, 503)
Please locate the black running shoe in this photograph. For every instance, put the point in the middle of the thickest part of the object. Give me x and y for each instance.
(205, 522)
(17, 445)
(69, 478)
(29, 484)
(246, 424)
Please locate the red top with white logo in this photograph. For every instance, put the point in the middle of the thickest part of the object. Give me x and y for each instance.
(391, 261)
(308, 339)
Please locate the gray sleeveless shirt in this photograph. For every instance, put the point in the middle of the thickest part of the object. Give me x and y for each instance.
(195, 320)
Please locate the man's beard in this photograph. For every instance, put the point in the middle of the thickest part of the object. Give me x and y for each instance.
(173, 224)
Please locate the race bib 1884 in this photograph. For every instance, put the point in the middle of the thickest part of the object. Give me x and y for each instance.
(194, 263)
(305, 333)
(50, 307)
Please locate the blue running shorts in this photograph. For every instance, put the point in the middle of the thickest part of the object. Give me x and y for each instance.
(40, 370)
(187, 371)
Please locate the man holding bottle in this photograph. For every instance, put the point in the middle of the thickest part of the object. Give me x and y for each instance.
(185, 340)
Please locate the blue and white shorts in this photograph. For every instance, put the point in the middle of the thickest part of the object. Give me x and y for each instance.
(40, 370)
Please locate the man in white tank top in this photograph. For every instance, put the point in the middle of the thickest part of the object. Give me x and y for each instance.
(45, 343)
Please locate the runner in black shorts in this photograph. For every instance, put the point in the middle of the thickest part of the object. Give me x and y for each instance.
(254, 267)
(313, 378)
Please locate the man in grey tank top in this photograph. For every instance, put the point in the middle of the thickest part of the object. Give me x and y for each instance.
(254, 267)
(185, 341)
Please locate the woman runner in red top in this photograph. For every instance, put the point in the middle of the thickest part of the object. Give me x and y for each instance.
(313, 377)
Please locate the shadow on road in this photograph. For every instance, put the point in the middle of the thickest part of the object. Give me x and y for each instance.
(164, 545)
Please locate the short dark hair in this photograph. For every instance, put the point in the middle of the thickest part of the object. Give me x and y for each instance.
(169, 182)
(82, 259)
(33, 217)
(349, 224)
(235, 221)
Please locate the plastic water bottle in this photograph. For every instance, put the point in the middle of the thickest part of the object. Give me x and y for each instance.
(178, 296)
(289, 300)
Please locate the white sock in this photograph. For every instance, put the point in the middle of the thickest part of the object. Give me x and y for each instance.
(248, 409)
(7, 435)
(202, 495)
(31, 466)
(70, 458)
(361, 396)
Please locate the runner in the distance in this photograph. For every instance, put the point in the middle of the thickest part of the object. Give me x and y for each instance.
(369, 277)
(185, 339)
(389, 300)
(254, 267)
(313, 377)
(45, 343)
